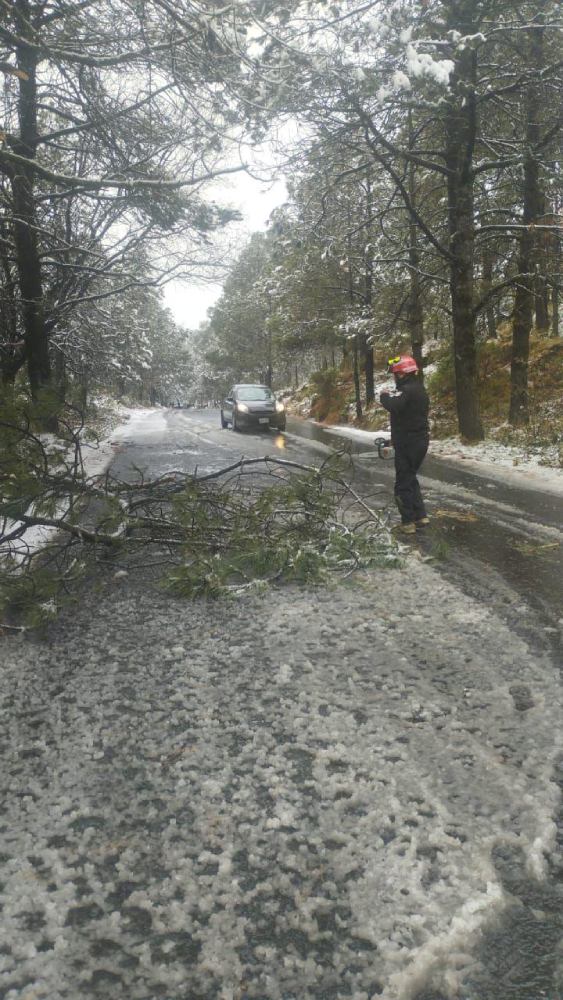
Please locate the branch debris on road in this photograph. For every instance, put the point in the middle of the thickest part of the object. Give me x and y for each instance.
(253, 522)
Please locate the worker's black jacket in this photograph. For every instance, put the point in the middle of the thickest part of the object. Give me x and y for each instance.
(408, 406)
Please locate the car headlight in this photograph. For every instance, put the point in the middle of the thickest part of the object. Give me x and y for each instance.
(279, 407)
(242, 407)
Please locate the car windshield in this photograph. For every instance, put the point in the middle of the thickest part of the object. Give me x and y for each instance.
(254, 392)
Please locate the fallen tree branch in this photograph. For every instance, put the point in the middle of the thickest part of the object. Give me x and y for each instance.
(251, 523)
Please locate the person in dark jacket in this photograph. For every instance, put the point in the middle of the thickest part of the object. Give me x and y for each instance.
(408, 407)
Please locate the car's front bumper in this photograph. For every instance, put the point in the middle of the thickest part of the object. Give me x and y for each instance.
(257, 421)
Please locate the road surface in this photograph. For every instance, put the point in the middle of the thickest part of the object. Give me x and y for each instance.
(301, 795)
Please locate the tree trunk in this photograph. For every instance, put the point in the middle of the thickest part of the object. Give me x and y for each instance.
(542, 266)
(555, 253)
(368, 257)
(542, 301)
(414, 313)
(83, 391)
(12, 356)
(486, 285)
(28, 261)
(60, 375)
(269, 352)
(460, 141)
(519, 414)
(357, 387)
(415, 318)
(370, 376)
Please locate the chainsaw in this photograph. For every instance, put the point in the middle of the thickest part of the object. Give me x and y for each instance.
(384, 447)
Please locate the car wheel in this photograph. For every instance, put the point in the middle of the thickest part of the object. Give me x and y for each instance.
(224, 423)
(234, 424)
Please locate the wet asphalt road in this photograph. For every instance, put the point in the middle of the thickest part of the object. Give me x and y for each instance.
(537, 507)
(501, 543)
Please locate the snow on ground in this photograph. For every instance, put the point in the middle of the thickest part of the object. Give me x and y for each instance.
(297, 796)
(145, 420)
(488, 458)
(506, 462)
(96, 458)
(303, 795)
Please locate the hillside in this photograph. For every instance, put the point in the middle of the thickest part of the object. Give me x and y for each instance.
(329, 397)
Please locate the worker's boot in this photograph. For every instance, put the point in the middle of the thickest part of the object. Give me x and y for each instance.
(407, 529)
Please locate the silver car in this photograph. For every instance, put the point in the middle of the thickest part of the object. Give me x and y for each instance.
(254, 406)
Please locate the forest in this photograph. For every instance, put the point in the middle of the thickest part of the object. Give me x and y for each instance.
(420, 145)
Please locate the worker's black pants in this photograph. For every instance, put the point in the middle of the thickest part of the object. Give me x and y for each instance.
(409, 456)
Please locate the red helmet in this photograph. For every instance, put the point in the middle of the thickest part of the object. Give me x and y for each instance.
(403, 365)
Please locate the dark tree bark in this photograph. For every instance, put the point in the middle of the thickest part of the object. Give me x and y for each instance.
(25, 227)
(542, 269)
(519, 414)
(415, 317)
(368, 253)
(11, 347)
(486, 285)
(521, 326)
(356, 351)
(60, 375)
(461, 124)
(357, 387)
(542, 304)
(369, 375)
(83, 391)
(555, 269)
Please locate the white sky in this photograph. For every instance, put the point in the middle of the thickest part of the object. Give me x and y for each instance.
(255, 199)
